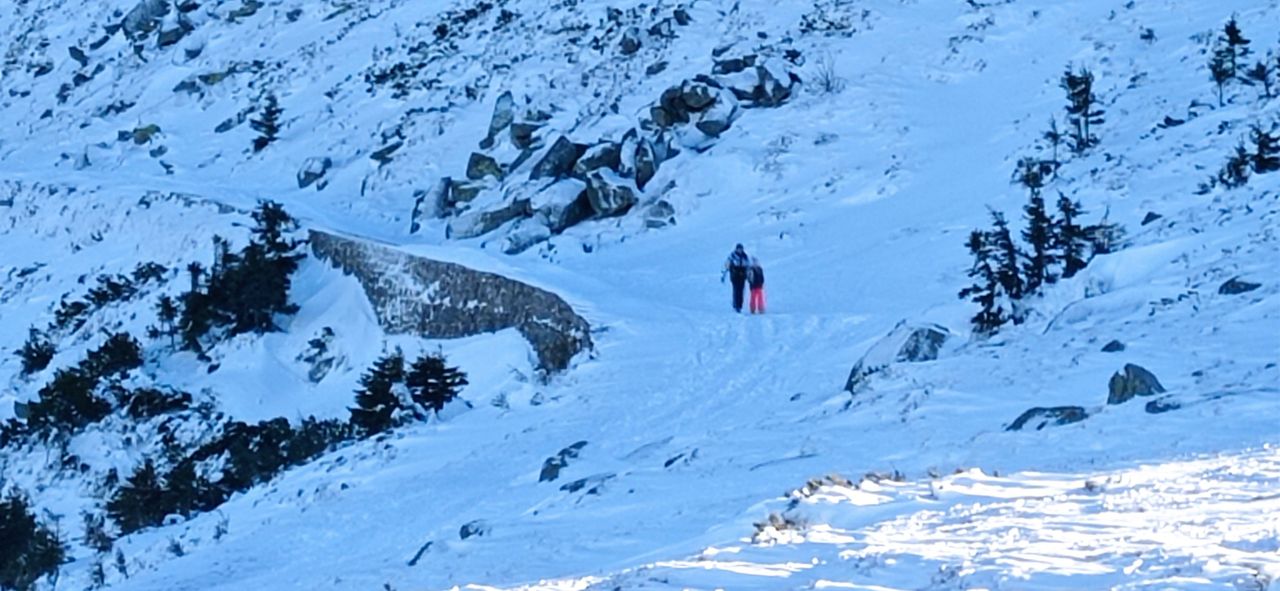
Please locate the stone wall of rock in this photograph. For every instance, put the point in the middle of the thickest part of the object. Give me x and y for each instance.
(434, 299)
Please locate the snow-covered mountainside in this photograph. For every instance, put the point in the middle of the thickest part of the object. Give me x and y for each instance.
(576, 172)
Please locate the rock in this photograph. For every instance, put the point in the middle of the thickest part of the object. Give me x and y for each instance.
(772, 91)
(1171, 122)
(172, 30)
(655, 68)
(247, 9)
(682, 17)
(646, 163)
(1237, 286)
(663, 117)
(1150, 217)
(533, 232)
(559, 160)
(602, 155)
(480, 222)
(1161, 405)
(1135, 381)
(78, 55)
(609, 195)
(906, 343)
(504, 113)
(187, 86)
(522, 135)
(697, 96)
(630, 41)
(552, 466)
(720, 117)
(313, 170)
(595, 483)
(482, 165)
(463, 191)
(563, 204)
(1113, 347)
(143, 18)
(733, 65)
(142, 135)
(660, 215)
(383, 155)
(473, 529)
(1042, 417)
(432, 203)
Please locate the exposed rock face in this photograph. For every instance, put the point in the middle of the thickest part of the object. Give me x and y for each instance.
(482, 165)
(1113, 347)
(1237, 286)
(563, 205)
(477, 222)
(434, 299)
(906, 343)
(1041, 417)
(602, 155)
(609, 196)
(1135, 381)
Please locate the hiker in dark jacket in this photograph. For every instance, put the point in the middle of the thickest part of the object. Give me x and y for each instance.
(755, 280)
(736, 268)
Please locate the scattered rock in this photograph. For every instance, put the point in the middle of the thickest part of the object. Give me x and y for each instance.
(1150, 217)
(655, 68)
(595, 482)
(78, 55)
(630, 41)
(1113, 347)
(609, 196)
(1042, 417)
(522, 135)
(1162, 405)
(559, 160)
(552, 466)
(1134, 381)
(383, 155)
(482, 165)
(503, 115)
(144, 18)
(719, 118)
(313, 171)
(1237, 286)
(733, 65)
(479, 222)
(563, 205)
(144, 134)
(463, 191)
(1171, 122)
(432, 203)
(906, 343)
(475, 528)
(660, 215)
(602, 155)
(646, 163)
(525, 236)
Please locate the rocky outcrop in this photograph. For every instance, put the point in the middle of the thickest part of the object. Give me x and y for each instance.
(434, 299)
(1237, 286)
(1134, 381)
(558, 161)
(906, 343)
(313, 171)
(552, 466)
(1041, 417)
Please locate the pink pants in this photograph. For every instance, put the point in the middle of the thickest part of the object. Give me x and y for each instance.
(757, 300)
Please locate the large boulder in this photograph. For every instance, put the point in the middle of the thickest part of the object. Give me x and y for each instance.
(504, 113)
(630, 41)
(313, 171)
(609, 194)
(1041, 417)
(660, 215)
(524, 135)
(646, 163)
(479, 222)
(1134, 381)
(1237, 286)
(482, 165)
(906, 343)
(430, 204)
(602, 155)
(143, 18)
(531, 231)
(461, 191)
(720, 115)
(559, 160)
(563, 204)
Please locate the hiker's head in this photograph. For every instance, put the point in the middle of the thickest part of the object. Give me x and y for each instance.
(739, 248)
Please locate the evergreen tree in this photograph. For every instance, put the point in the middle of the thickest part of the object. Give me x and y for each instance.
(1082, 110)
(29, 550)
(1055, 137)
(432, 383)
(1006, 259)
(1262, 74)
(167, 313)
(1235, 173)
(140, 502)
(1039, 234)
(197, 311)
(37, 352)
(985, 291)
(1221, 70)
(1233, 40)
(1266, 151)
(377, 401)
(268, 125)
(1070, 239)
(69, 401)
(95, 533)
(115, 356)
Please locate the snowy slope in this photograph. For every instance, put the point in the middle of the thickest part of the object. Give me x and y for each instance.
(696, 421)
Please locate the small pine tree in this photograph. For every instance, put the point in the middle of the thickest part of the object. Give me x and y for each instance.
(69, 401)
(29, 550)
(1234, 41)
(985, 290)
(1055, 137)
(1041, 260)
(119, 354)
(140, 502)
(1221, 70)
(1070, 239)
(1266, 151)
(432, 383)
(377, 401)
(1261, 74)
(1235, 173)
(1082, 110)
(167, 313)
(37, 352)
(268, 125)
(1007, 259)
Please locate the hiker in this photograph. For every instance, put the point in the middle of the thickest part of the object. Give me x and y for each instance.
(755, 280)
(736, 268)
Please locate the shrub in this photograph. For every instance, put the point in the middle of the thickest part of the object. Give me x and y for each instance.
(28, 549)
(36, 353)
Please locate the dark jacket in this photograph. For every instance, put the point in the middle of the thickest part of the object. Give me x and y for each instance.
(755, 276)
(737, 265)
